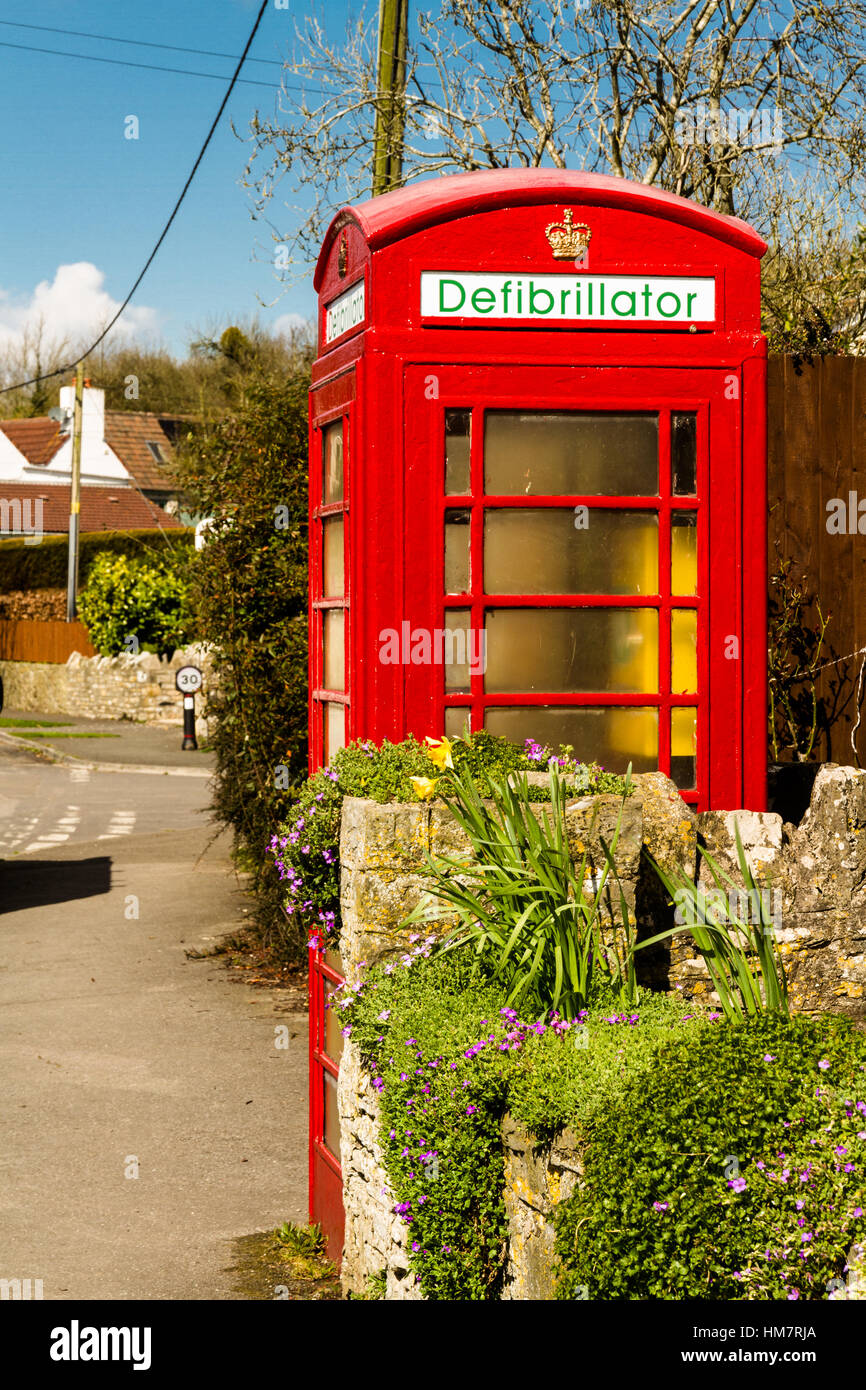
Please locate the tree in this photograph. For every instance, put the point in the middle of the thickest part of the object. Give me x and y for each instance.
(711, 99)
(248, 471)
(25, 358)
(202, 385)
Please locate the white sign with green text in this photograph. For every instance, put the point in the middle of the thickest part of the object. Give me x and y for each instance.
(612, 299)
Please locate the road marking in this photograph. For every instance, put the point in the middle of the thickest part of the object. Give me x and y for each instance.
(121, 823)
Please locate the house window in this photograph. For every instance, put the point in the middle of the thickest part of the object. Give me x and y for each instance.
(156, 450)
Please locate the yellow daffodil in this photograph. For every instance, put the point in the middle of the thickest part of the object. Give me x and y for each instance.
(439, 751)
(424, 787)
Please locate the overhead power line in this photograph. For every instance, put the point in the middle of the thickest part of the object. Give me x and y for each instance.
(61, 371)
(128, 63)
(136, 43)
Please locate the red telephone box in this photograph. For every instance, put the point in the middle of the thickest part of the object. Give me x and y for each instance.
(537, 492)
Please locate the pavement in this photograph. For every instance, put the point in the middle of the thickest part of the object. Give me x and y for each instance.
(113, 744)
(147, 1117)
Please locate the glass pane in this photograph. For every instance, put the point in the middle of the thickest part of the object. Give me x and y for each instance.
(457, 720)
(335, 730)
(457, 552)
(570, 550)
(463, 650)
(332, 462)
(684, 455)
(684, 651)
(544, 454)
(684, 726)
(333, 1028)
(572, 649)
(332, 1115)
(612, 737)
(333, 558)
(458, 434)
(335, 648)
(684, 553)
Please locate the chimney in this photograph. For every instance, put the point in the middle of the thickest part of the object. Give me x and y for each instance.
(92, 414)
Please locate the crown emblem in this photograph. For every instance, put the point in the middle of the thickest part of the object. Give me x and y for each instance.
(568, 241)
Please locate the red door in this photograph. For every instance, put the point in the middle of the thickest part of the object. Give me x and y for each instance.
(332, 417)
(565, 580)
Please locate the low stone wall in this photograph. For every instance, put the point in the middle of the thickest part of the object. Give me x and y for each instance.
(819, 868)
(376, 1240)
(105, 687)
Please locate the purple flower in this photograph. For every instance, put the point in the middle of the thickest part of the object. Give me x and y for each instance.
(823, 1065)
(471, 1109)
(660, 1206)
(737, 1184)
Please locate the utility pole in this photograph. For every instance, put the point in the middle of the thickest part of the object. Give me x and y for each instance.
(75, 497)
(391, 92)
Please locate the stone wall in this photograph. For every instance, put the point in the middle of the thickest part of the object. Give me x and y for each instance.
(105, 687)
(818, 867)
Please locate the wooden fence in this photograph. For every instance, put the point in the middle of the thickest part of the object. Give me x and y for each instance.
(817, 478)
(30, 640)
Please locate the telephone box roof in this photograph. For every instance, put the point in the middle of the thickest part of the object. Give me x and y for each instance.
(393, 216)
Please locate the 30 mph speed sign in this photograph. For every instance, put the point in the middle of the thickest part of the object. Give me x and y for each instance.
(188, 680)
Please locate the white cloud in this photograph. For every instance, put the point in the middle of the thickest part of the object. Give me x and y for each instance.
(73, 308)
(290, 323)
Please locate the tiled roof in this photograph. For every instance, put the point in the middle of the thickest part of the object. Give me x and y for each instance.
(102, 508)
(127, 432)
(38, 439)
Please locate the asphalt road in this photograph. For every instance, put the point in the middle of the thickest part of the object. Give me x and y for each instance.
(44, 805)
(147, 1117)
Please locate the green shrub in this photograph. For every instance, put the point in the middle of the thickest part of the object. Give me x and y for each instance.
(693, 1173)
(249, 595)
(44, 566)
(134, 605)
(447, 1057)
(714, 1153)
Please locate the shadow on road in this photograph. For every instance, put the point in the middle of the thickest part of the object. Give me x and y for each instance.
(39, 882)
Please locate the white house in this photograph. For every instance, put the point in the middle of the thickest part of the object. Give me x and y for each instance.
(118, 448)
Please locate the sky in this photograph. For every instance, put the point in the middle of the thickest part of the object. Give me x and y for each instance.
(83, 205)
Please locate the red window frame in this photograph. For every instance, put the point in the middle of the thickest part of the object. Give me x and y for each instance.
(662, 392)
(320, 695)
(325, 1175)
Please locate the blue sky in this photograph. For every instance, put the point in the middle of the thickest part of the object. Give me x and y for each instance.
(76, 191)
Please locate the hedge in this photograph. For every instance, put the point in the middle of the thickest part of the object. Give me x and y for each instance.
(44, 566)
